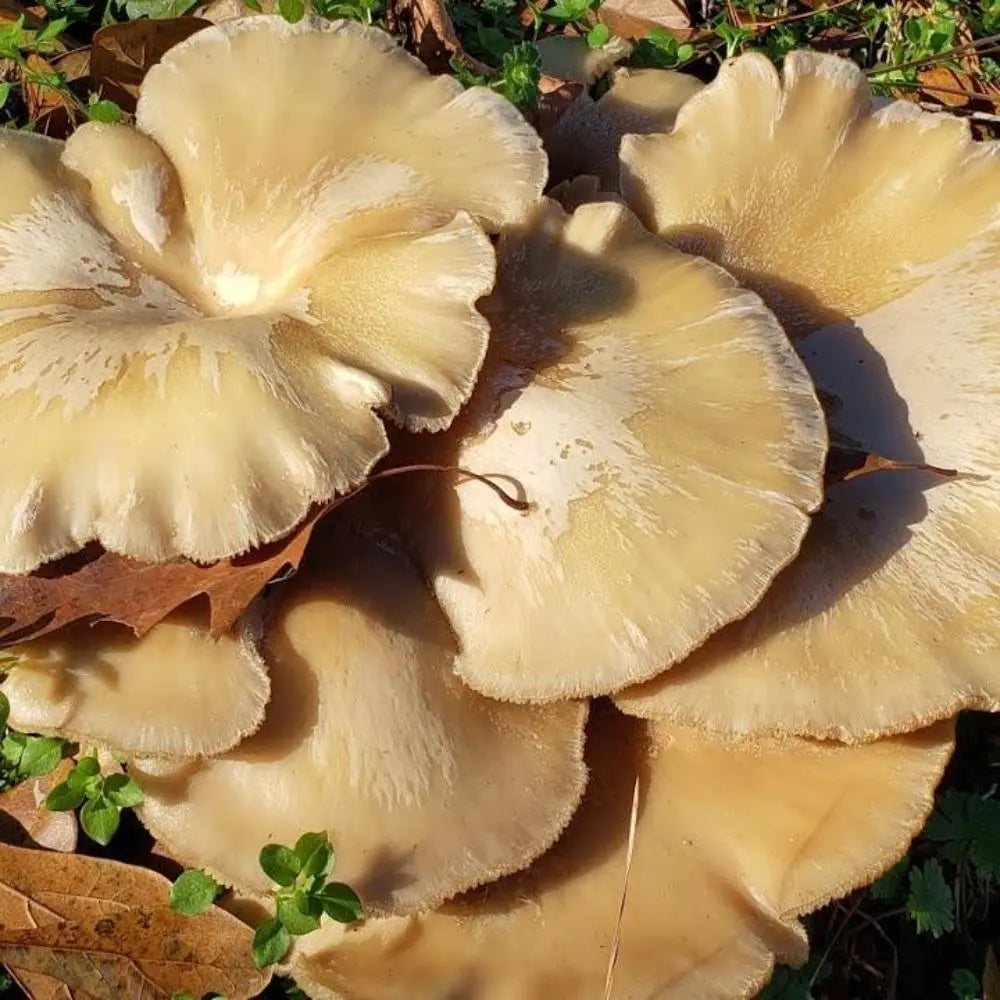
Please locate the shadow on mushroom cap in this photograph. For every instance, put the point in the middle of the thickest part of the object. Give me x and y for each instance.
(874, 236)
(733, 843)
(663, 430)
(425, 787)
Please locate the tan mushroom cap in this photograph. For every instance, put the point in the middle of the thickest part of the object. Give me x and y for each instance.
(425, 788)
(732, 844)
(174, 692)
(667, 437)
(570, 57)
(197, 327)
(587, 138)
(874, 235)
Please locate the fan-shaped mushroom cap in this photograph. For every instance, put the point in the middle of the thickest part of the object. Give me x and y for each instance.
(197, 319)
(570, 57)
(587, 138)
(425, 788)
(875, 237)
(670, 443)
(176, 691)
(732, 844)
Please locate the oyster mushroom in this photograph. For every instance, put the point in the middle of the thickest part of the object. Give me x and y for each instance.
(884, 266)
(667, 437)
(174, 692)
(190, 353)
(732, 844)
(587, 138)
(426, 788)
(571, 57)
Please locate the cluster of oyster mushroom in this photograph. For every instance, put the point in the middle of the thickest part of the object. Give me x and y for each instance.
(283, 278)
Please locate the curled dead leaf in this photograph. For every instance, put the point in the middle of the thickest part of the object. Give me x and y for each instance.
(122, 54)
(636, 18)
(99, 585)
(843, 464)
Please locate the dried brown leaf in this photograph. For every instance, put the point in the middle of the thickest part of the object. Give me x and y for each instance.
(636, 18)
(991, 976)
(24, 820)
(99, 585)
(432, 32)
(106, 931)
(122, 54)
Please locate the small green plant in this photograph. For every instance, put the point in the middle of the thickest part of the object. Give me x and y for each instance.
(930, 904)
(520, 72)
(23, 757)
(302, 896)
(966, 985)
(102, 797)
(194, 892)
(660, 50)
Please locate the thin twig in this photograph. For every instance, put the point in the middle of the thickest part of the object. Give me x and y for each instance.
(980, 43)
(609, 980)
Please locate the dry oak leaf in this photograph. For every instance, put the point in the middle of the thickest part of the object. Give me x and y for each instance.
(105, 586)
(636, 18)
(26, 822)
(106, 931)
(122, 54)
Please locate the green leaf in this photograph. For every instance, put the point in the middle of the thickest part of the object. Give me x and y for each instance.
(86, 768)
(967, 828)
(299, 913)
(598, 36)
(5, 91)
(966, 985)
(930, 903)
(194, 892)
(4, 701)
(796, 984)
(41, 756)
(315, 853)
(99, 819)
(158, 10)
(340, 902)
(63, 797)
(280, 864)
(105, 112)
(123, 791)
(891, 886)
(254, 5)
(292, 10)
(270, 943)
(522, 69)
(12, 748)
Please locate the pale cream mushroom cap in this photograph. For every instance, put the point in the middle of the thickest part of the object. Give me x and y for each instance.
(570, 57)
(733, 843)
(874, 235)
(587, 138)
(425, 788)
(174, 692)
(666, 436)
(195, 328)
